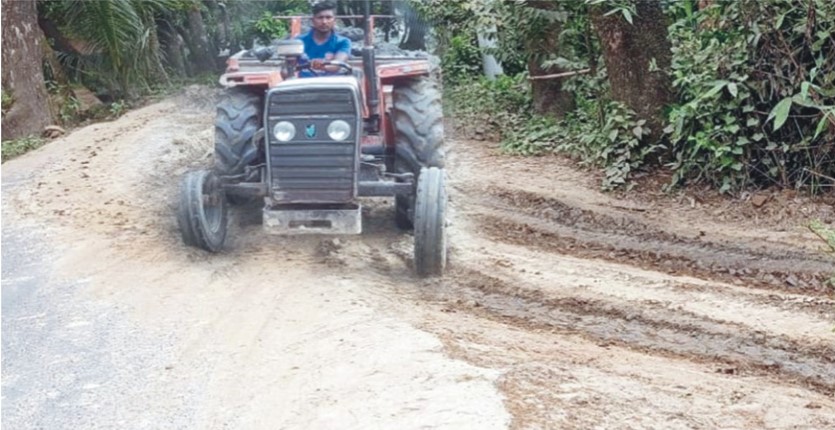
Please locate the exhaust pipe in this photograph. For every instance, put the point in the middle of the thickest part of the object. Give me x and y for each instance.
(369, 65)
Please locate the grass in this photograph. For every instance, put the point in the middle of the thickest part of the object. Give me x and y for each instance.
(826, 234)
(8, 100)
(17, 147)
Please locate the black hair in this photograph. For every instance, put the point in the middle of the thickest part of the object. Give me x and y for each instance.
(324, 5)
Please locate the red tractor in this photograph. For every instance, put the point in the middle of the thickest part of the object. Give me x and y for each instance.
(311, 147)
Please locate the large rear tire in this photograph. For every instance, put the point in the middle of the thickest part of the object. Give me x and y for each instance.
(202, 213)
(418, 124)
(237, 121)
(417, 117)
(430, 223)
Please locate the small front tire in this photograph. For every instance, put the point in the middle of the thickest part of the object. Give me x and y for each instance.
(202, 212)
(430, 223)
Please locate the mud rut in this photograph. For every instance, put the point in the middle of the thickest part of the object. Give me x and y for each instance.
(594, 310)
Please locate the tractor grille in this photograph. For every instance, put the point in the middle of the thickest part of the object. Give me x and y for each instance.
(312, 168)
(312, 102)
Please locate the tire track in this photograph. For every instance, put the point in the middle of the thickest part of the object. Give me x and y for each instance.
(648, 328)
(535, 221)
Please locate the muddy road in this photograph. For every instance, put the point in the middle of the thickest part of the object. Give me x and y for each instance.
(564, 307)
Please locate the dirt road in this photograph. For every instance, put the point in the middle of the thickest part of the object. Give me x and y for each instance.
(564, 307)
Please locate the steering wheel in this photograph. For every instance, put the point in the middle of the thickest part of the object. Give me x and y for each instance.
(344, 68)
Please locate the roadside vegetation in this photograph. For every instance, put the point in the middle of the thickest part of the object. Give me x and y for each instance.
(16, 147)
(750, 86)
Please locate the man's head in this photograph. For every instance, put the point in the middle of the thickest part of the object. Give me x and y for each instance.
(324, 17)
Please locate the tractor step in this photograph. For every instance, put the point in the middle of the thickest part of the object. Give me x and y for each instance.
(310, 219)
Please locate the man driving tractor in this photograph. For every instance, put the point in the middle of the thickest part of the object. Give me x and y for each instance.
(321, 43)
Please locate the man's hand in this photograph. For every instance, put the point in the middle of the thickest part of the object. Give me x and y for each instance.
(322, 65)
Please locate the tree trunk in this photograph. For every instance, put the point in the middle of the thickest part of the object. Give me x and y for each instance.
(223, 27)
(486, 41)
(629, 50)
(199, 46)
(157, 68)
(59, 41)
(22, 76)
(548, 95)
(172, 46)
(51, 66)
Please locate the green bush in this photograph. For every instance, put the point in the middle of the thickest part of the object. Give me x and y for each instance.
(461, 61)
(16, 147)
(504, 102)
(599, 132)
(8, 100)
(754, 91)
(267, 28)
(755, 85)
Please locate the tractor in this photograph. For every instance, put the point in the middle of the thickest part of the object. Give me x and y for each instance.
(310, 147)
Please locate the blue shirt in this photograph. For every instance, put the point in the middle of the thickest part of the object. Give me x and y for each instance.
(326, 51)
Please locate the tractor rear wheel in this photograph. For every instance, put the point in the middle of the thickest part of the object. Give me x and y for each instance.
(430, 223)
(202, 213)
(417, 117)
(237, 121)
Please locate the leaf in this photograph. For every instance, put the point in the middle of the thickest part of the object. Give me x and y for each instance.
(733, 89)
(805, 102)
(715, 90)
(757, 137)
(752, 122)
(779, 22)
(627, 15)
(822, 124)
(780, 113)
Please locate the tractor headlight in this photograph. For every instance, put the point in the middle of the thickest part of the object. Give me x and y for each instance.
(284, 131)
(339, 130)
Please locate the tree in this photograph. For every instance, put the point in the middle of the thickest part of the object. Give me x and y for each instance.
(542, 44)
(198, 40)
(173, 47)
(637, 54)
(117, 40)
(23, 83)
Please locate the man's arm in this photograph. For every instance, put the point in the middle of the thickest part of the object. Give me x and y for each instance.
(343, 54)
(343, 49)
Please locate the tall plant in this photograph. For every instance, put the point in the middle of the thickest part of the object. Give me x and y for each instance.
(117, 39)
(755, 88)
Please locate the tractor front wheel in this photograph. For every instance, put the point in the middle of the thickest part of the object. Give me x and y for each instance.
(430, 223)
(202, 213)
